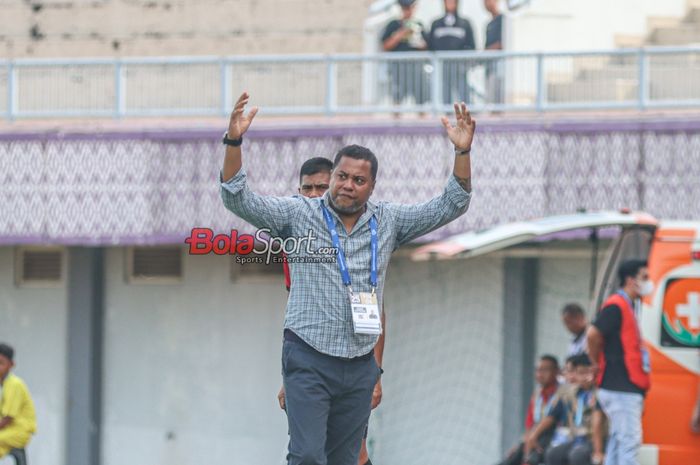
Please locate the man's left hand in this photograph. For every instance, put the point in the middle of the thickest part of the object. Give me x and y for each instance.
(377, 394)
(462, 134)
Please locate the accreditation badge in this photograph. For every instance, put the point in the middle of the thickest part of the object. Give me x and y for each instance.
(561, 435)
(646, 361)
(365, 313)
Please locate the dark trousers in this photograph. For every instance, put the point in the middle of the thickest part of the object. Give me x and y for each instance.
(455, 86)
(328, 404)
(517, 457)
(570, 453)
(408, 78)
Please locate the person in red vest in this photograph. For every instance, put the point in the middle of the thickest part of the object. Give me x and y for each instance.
(314, 180)
(528, 452)
(615, 343)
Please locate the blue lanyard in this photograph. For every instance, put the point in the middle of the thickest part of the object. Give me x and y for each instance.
(538, 407)
(626, 297)
(342, 263)
(581, 405)
(635, 308)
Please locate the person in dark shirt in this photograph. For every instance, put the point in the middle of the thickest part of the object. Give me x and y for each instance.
(494, 42)
(453, 33)
(574, 318)
(494, 29)
(615, 345)
(408, 78)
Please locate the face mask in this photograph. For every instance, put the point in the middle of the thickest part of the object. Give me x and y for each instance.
(645, 288)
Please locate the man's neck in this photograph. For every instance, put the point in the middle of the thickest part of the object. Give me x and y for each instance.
(3, 378)
(349, 219)
(629, 290)
(550, 386)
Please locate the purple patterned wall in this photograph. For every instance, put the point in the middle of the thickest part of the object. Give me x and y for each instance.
(147, 187)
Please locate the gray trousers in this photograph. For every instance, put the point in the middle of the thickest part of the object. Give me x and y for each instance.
(328, 402)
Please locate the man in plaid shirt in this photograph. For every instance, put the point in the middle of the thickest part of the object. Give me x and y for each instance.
(328, 366)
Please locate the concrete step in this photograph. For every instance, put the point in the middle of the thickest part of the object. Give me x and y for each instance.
(683, 34)
(592, 91)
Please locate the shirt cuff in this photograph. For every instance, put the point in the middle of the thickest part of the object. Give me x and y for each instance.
(234, 184)
(456, 193)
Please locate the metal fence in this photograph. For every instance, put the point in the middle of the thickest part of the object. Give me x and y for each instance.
(342, 84)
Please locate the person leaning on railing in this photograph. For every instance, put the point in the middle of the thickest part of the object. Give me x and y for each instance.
(453, 33)
(408, 79)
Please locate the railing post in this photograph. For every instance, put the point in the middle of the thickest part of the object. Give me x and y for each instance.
(11, 91)
(436, 84)
(643, 79)
(541, 85)
(331, 86)
(119, 90)
(226, 78)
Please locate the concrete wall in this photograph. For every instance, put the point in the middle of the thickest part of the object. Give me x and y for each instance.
(596, 24)
(61, 28)
(192, 369)
(33, 320)
(69, 28)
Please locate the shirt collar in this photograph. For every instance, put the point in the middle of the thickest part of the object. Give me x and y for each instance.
(627, 297)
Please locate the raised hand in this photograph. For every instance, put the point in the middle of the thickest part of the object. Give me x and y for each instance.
(239, 122)
(461, 134)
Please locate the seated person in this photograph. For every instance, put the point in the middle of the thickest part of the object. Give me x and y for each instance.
(17, 419)
(568, 375)
(540, 405)
(579, 439)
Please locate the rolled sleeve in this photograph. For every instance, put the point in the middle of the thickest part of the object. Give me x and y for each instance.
(275, 213)
(456, 194)
(413, 221)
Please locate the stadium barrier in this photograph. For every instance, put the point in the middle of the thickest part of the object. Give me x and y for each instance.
(645, 78)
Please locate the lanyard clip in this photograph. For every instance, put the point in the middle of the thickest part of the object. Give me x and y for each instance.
(373, 289)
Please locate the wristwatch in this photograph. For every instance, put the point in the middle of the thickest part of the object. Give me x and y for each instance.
(232, 142)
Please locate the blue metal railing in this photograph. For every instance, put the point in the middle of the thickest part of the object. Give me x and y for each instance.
(658, 77)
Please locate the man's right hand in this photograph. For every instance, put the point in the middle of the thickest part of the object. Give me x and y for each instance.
(280, 398)
(239, 123)
(532, 443)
